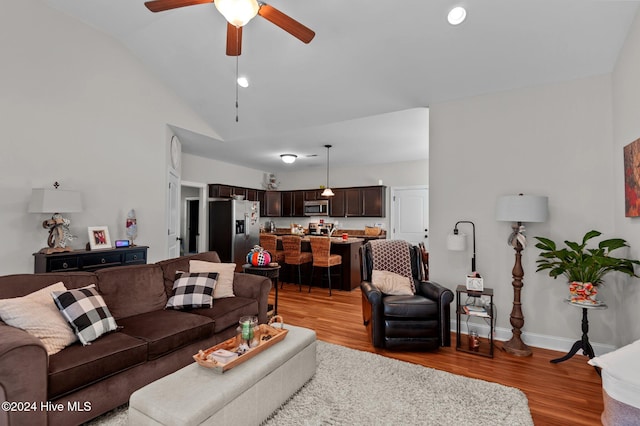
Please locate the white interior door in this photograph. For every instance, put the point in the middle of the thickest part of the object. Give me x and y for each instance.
(410, 210)
(173, 225)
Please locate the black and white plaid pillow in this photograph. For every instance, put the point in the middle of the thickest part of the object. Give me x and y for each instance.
(193, 290)
(86, 312)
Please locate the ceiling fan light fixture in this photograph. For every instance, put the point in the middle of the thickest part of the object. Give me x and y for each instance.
(237, 12)
(457, 15)
(288, 158)
(243, 82)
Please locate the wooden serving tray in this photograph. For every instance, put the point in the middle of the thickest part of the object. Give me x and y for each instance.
(277, 334)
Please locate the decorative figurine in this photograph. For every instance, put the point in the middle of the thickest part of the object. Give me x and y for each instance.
(59, 233)
(132, 225)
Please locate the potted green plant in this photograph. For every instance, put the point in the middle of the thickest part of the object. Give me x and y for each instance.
(583, 267)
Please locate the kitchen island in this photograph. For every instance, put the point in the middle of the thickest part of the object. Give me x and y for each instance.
(349, 249)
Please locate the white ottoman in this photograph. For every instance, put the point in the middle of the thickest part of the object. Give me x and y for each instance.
(620, 385)
(245, 395)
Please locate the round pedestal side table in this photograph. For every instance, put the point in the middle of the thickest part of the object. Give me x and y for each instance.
(583, 343)
(271, 272)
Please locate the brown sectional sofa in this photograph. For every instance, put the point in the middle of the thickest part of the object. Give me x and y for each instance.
(82, 382)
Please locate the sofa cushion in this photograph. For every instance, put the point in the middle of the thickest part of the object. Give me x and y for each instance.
(132, 290)
(171, 266)
(167, 330)
(226, 273)
(37, 314)
(78, 366)
(192, 291)
(86, 311)
(226, 312)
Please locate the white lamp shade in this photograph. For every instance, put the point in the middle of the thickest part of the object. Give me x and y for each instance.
(457, 242)
(237, 12)
(54, 201)
(327, 193)
(522, 208)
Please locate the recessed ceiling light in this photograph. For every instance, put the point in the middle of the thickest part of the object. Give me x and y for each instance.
(288, 158)
(457, 15)
(243, 82)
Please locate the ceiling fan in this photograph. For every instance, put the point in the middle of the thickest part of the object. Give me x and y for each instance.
(238, 13)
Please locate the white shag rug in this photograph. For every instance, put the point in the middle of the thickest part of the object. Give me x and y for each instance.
(352, 387)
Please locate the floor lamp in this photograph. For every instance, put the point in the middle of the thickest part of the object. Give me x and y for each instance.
(458, 241)
(518, 209)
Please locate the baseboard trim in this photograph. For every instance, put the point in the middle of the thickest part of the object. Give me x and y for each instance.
(543, 341)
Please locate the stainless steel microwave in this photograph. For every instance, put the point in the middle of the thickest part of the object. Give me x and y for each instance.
(316, 208)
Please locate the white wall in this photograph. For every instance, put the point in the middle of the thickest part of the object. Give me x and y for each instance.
(205, 170)
(77, 108)
(626, 129)
(554, 140)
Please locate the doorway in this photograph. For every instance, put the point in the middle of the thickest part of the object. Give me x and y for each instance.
(410, 214)
(193, 223)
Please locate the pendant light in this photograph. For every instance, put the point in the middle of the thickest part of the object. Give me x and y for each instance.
(327, 190)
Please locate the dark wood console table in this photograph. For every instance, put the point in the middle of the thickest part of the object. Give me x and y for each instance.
(84, 260)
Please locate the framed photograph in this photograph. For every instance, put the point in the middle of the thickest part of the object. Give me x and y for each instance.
(632, 179)
(99, 238)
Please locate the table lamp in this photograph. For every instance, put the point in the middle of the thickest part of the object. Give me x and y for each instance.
(55, 201)
(518, 209)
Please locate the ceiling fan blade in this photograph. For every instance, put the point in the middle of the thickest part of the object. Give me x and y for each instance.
(162, 5)
(234, 40)
(287, 23)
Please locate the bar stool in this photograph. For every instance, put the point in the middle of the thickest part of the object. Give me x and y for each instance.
(269, 242)
(322, 258)
(293, 254)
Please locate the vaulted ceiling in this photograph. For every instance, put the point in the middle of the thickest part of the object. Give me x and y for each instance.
(365, 82)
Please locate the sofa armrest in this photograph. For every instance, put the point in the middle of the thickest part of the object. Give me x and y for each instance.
(444, 297)
(372, 312)
(23, 376)
(254, 287)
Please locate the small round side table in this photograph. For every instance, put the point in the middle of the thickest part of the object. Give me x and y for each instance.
(583, 343)
(271, 272)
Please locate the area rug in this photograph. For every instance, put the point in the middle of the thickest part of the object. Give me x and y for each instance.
(352, 387)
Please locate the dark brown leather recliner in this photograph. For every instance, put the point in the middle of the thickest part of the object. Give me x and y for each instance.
(409, 322)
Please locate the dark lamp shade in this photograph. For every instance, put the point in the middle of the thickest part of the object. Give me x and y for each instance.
(522, 208)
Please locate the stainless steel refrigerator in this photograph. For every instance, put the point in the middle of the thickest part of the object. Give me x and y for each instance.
(234, 228)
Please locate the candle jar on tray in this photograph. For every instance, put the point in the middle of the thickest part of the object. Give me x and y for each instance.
(247, 333)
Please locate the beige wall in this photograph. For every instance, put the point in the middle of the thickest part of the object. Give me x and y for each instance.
(77, 108)
(626, 129)
(553, 140)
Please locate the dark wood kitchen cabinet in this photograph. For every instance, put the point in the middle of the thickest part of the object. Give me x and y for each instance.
(252, 194)
(312, 195)
(272, 205)
(218, 190)
(368, 201)
(337, 203)
(293, 203)
(363, 201)
(373, 201)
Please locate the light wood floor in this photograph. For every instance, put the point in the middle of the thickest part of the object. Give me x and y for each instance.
(568, 393)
